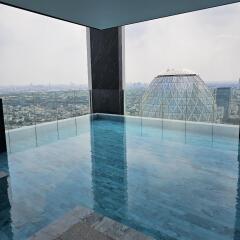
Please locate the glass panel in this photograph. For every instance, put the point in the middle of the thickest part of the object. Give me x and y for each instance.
(227, 117)
(66, 114)
(21, 112)
(200, 104)
(133, 95)
(34, 119)
(173, 112)
(46, 116)
(82, 108)
(133, 99)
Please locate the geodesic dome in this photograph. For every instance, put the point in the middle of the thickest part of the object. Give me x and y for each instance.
(179, 95)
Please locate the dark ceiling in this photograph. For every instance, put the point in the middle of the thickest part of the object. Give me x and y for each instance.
(104, 14)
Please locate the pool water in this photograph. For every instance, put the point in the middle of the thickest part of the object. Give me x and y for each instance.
(165, 184)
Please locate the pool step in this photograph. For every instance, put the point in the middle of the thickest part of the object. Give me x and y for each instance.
(84, 224)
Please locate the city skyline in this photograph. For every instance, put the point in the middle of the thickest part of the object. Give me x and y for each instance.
(72, 86)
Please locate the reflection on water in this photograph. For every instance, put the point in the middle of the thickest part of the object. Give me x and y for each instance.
(167, 189)
(109, 174)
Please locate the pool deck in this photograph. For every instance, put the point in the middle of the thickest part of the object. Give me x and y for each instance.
(84, 224)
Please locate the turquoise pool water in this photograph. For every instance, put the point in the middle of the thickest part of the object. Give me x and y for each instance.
(168, 184)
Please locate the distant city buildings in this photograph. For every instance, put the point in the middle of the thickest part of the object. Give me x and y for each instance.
(29, 108)
(164, 97)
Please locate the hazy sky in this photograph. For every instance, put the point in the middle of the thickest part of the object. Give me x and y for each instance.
(206, 42)
(41, 50)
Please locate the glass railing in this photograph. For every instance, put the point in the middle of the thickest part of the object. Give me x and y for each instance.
(186, 114)
(222, 105)
(42, 117)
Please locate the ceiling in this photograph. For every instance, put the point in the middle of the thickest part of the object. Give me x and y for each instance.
(104, 14)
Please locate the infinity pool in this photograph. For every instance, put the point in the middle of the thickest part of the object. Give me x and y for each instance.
(168, 183)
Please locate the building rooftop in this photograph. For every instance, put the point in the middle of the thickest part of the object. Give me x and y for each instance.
(176, 72)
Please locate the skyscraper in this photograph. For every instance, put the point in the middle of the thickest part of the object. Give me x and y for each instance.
(223, 99)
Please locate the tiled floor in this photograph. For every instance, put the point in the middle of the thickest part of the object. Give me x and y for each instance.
(84, 224)
(84, 232)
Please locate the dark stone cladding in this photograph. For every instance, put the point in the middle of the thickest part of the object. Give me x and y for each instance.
(107, 101)
(5, 206)
(105, 48)
(3, 145)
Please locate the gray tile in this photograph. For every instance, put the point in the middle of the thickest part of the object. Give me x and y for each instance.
(83, 231)
(41, 235)
(57, 228)
(111, 228)
(81, 212)
(84, 224)
(134, 235)
(93, 219)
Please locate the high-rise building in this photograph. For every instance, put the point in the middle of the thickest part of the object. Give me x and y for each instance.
(223, 99)
(179, 95)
